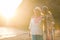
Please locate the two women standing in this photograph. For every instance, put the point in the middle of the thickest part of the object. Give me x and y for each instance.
(36, 24)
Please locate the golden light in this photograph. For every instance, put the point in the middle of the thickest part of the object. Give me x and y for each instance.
(7, 32)
(8, 7)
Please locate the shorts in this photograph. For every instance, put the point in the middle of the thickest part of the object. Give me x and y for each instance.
(37, 37)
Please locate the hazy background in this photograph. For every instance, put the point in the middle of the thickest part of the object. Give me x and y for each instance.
(24, 13)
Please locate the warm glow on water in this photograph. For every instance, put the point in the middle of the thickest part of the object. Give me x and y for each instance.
(7, 32)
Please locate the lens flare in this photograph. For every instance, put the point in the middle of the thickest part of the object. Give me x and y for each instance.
(8, 7)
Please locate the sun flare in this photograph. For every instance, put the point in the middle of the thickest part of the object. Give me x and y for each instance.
(8, 7)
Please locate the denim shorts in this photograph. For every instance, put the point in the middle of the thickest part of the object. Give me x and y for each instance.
(37, 37)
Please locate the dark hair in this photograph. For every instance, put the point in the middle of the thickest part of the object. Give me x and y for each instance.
(45, 8)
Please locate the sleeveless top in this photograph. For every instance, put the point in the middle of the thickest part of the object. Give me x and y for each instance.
(35, 29)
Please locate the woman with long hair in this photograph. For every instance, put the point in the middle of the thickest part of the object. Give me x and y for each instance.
(35, 24)
(48, 23)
